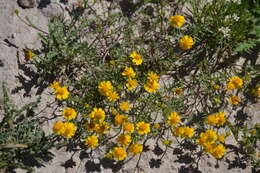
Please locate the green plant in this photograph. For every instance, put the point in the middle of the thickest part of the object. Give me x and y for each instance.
(175, 83)
(22, 141)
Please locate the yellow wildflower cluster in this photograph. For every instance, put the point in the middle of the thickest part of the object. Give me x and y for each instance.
(234, 82)
(61, 93)
(217, 119)
(105, 88)
(130, 73)
(183, 132)
(66, 129)
(120, 153)
(120, 119)
(209, 140)
(152, 85)
(97, 123)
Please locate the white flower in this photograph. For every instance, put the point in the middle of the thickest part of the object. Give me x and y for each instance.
(227, 18)
(235, 17)
(225, 31)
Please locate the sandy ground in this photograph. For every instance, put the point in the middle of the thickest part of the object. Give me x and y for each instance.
(16, 35)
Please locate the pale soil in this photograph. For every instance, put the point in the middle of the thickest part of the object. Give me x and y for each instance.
(19, 34)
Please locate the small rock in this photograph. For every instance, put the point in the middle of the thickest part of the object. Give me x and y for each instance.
(53, 10)
(27, 3)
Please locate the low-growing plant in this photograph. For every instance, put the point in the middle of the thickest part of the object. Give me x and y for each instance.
(23, 144)
(151, 74)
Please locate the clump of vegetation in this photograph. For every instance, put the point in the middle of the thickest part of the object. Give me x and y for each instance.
(123, 77)
(23, 143)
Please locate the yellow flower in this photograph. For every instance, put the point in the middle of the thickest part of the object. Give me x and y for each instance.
(217, 119)
(218, 151)
(234, 100)
(177, 21)
(129, 127)
(58, 128)
(167, 142)
(119, 153)
(208, 147)
(131, 84)
(221, 138)
(62, 93)
(212, 120)
(136, 148)
(70, 130)
(173, 119)
(179, 131)
(124, 140)
(119, 119)
(69, 113)
(28, 54)
(105, 88)
(129, 72)
(234, 82)
(151, 86)
(124, 106)
(221, 118)
(188, 132)
(186, 42)
(152, 76)
(91, 141)
(256, 91)
(136, 58)
(209, 137)
(92, 126)
(55, 85)
(184, 132)
(102, 128)
(142, 128)
(177, 91)
(98, 114)
(113, 96)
